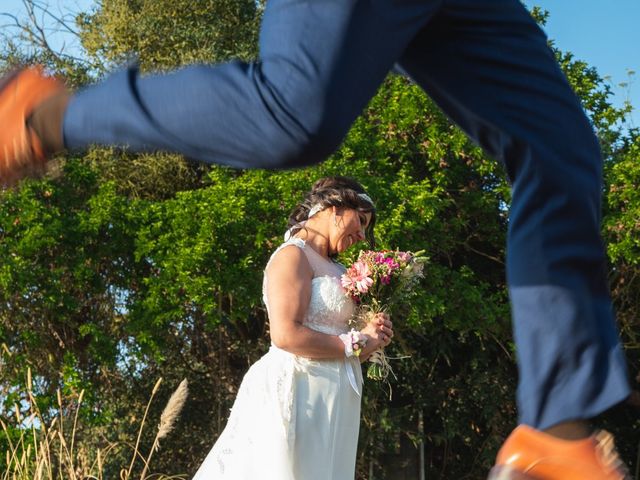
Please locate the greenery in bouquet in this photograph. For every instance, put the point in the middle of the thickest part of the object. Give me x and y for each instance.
(381, 281)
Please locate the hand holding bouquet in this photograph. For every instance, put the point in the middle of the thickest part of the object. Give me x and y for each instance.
(379, 282)
(378, 329)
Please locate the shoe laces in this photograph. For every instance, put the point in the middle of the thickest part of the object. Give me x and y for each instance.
(608, 455)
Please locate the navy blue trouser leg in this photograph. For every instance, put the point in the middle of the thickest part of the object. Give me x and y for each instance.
(487, 64)
(320, 63)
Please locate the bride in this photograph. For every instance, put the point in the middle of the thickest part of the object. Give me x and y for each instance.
(297, 413)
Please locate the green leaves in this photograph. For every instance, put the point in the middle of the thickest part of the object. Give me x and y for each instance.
(131, 267)
(169, 33)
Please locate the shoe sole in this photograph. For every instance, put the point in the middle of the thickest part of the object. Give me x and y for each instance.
(508, 473)
(5, 83)
(21, 152)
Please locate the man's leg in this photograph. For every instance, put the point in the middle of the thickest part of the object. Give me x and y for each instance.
(320, 63)
(486, 63)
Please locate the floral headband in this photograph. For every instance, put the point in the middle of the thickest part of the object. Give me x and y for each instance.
(318, 207)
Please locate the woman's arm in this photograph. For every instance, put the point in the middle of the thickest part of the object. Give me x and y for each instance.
(288, 287)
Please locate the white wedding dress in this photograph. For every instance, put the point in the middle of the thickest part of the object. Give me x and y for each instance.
(295, 418)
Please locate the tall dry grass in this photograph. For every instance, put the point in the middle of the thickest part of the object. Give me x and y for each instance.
(51, 452)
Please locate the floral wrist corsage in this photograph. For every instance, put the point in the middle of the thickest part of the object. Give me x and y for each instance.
(353, 341)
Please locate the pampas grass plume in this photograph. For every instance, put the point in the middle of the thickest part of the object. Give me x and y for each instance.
(172, 410)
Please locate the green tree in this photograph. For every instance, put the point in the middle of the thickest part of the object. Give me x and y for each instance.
(127, 268)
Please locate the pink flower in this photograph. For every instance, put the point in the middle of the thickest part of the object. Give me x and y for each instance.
(404, 257)
(357, 278)
(390, 264)
(380, 257)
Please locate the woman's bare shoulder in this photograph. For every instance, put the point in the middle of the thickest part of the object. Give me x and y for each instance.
(290, 259)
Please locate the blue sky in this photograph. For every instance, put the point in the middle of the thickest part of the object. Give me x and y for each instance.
(604, 34)
(65, 9)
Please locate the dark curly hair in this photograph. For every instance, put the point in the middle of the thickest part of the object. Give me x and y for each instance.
(340, 192)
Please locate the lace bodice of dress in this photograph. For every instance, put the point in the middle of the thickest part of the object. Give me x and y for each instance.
(329, 308)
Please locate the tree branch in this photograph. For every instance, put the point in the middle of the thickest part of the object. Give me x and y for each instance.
(37, 26)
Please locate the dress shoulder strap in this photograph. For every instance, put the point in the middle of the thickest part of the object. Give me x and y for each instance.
(320, 265)
(298, 242)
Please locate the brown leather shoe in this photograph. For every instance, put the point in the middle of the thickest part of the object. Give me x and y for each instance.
(530, 454)
(21, 151)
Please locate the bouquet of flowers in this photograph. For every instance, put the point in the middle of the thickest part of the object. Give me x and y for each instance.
(380, 281)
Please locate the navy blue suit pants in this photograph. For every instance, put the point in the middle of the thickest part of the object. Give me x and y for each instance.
(487, 65)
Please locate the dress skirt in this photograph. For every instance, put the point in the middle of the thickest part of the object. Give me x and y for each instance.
(293, 419)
